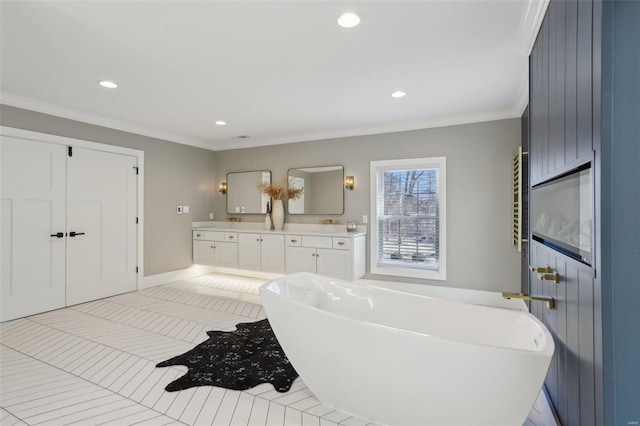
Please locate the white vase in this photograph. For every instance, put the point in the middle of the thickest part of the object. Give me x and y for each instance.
(277, 215)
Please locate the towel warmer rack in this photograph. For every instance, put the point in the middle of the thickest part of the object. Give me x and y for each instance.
(517, 200)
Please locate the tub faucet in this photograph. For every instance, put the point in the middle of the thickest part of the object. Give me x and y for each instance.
(551, 302)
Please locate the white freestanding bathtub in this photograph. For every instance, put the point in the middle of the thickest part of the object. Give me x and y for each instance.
(408, 360)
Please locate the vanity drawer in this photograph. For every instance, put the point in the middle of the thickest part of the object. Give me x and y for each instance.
(294, 240)
(317, 242)
(342, 243)
(208, 235)
(231, 237)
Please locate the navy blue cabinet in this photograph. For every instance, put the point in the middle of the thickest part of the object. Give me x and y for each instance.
(572, 381)
(561, 105)
(584, 105)
(561, 90)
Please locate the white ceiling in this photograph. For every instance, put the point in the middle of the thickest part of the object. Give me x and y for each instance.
(277, 71)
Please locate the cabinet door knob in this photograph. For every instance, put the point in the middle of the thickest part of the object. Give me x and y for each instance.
(231, 237)
(341, 243)
(294, 241)
(198, 235)
(257, 239)
(313, 254)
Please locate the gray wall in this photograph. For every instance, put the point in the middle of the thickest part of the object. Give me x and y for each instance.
(479, 251)
(174, 175)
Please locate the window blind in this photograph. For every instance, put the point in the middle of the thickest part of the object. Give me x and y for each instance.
(408, 218)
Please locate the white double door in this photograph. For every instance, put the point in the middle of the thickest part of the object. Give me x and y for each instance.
(68, 226)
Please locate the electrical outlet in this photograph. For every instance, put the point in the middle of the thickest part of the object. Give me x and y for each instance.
(185, 209)
(365, 219)
(210, 216)
(179, 209)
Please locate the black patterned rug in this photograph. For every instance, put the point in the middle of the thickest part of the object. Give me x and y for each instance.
(237, 360)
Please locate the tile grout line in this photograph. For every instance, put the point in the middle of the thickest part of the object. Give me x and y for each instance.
(183, 301)
(137, 328)
(168, 315)
(117, 310)
(269, 401)
(83, 379)
(82, 339)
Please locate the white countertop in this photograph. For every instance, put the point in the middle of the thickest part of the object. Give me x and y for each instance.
(289, 228)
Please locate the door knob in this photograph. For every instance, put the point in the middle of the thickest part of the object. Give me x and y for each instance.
(73, 234)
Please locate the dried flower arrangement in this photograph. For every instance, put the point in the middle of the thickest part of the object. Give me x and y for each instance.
(279, 191)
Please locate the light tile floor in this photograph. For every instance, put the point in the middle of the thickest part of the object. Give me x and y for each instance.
(94, 363)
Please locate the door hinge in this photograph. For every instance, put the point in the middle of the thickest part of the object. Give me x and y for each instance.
(70, 151)
(136, 168)
(136, 220)
(136, 269)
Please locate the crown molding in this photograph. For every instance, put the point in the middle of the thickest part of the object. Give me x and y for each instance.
(84, 117)
(402, 126)
(530, 25)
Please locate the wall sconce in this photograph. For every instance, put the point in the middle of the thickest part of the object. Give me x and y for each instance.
(223, 188)
(349, 183)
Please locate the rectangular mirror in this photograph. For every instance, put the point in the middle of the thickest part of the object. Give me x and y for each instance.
(243, 195)
(322, 190)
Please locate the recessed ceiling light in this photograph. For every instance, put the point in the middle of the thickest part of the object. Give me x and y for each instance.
(108, 84)
(221, 123)
(398, 94)
(348, 20)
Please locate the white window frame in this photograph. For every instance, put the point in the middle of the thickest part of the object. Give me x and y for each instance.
(408, 164)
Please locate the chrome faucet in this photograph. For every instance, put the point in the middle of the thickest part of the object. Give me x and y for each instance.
(551, 302)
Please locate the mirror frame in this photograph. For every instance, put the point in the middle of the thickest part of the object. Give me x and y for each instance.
(229, 189)
(318, 167)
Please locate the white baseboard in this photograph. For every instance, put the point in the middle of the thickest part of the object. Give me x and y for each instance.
(180, 274)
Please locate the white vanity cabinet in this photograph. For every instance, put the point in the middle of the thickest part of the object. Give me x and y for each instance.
(337, 257)
(335, 254)
(215, 248)
(261, 252)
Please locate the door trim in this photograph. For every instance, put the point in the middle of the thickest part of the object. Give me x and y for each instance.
(139, 154)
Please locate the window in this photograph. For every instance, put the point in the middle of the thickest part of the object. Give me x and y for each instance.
(408, 227)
